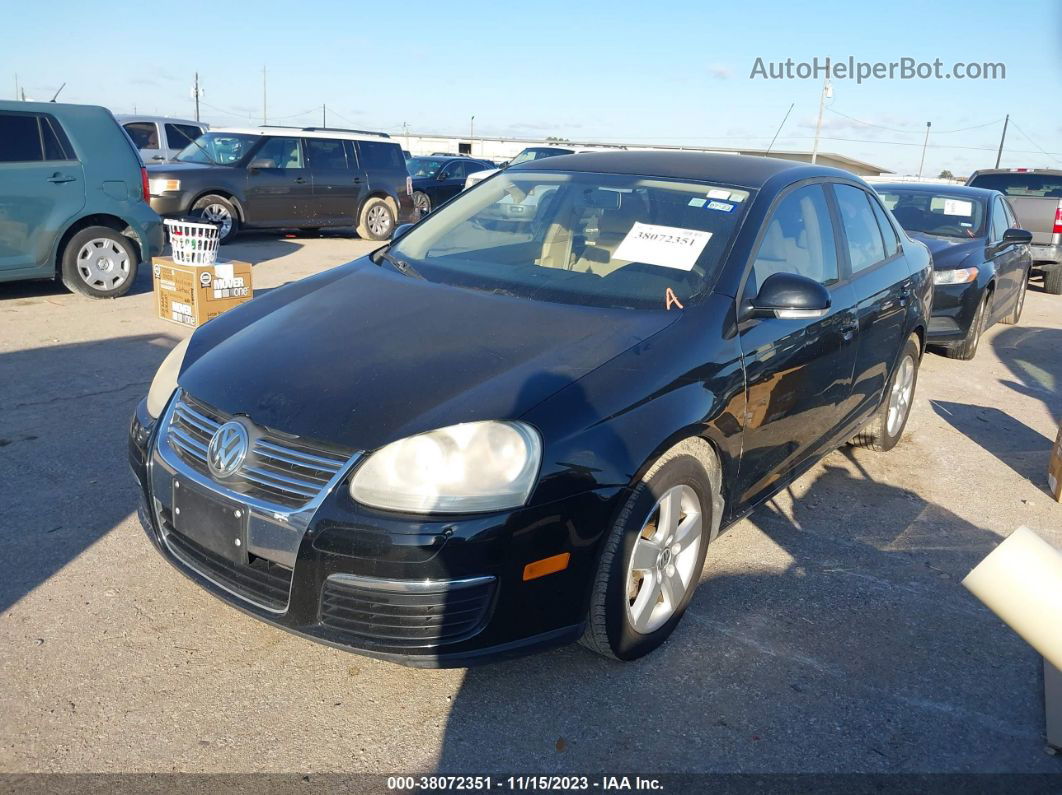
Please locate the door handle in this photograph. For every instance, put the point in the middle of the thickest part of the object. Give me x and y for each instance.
(357, 180)
(905, 294)
(158, 157)
(849, 328)
(300, 180)
(58, 178)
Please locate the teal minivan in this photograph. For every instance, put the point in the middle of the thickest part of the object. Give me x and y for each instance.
(73, 199)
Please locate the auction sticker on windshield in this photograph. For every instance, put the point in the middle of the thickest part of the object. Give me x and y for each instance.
(666, 246)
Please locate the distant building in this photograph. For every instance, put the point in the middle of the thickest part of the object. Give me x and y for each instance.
(502, 149)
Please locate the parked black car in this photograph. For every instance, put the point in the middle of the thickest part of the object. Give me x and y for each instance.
(285, 177)
(478, 441)
(981, 258)
(438, 179)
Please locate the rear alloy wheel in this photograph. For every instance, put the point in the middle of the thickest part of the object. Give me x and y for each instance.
(967, 349)
(422, 202)
(100, 263)
(886, 427)
(219, 211)
(653, 556)
(377, 221)
(1015, 314)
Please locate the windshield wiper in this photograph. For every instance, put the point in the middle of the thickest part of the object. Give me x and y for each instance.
(401, 266)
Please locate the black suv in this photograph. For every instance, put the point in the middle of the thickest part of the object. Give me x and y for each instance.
(286, 177)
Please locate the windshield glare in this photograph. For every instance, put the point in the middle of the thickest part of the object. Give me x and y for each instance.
(218, 148)
(595, 239)
(940, 214)
(424, 166)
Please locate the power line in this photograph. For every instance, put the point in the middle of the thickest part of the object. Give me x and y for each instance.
(911, 132)
(1030, 140)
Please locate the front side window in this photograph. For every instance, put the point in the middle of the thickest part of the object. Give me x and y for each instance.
(865, 247)
(942, 214)
(798, 239)
(999, 221)
(279, 153)
(594, 239)
(178, 136)
(145, 134)
(218, 148)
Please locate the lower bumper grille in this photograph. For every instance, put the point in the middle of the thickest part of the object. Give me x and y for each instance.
(421, 618)
(263, 582)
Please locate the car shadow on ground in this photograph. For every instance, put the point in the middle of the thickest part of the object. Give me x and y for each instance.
(1033, 354)
(63, 432)
(851, 647)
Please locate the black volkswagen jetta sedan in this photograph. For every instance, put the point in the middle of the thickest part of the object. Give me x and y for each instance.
(981, 258)
(511, 430)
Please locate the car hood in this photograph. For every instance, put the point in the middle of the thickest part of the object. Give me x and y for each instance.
(949, 252)
(360, 355)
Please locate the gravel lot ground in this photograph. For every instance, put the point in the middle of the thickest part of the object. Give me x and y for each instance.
(830, 632)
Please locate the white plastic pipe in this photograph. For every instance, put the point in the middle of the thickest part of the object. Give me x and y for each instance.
(1021, 582)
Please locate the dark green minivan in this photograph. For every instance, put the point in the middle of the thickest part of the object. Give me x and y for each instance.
(73, 199)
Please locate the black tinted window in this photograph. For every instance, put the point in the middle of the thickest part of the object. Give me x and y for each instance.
(20, 139)
(799, 239)
(145, 134)
(56, 144)
(324, 155)
(1020, 183)
(378, 155)
(861, 228)
(178, 136)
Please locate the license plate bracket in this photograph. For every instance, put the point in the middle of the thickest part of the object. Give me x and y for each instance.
(212, 522)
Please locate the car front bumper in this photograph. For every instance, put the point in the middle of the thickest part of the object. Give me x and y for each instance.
(169, 205)
(954, 307)
(418, 591)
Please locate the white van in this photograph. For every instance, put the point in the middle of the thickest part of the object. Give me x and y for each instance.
(160, 138)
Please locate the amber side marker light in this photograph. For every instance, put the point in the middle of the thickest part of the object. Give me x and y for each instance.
(550, 565)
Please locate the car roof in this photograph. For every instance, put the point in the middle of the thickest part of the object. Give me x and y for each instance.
(940, 188)
(746, 171)
(299, 132)
(982, 171)
(468, 158)
(125, 118)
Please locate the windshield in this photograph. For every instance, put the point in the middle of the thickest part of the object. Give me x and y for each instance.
(1022, 184)
(943, 214)
(594, 239)
(218, 148)
(424, 166)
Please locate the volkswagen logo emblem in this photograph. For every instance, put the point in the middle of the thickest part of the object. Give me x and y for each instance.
(227, 449)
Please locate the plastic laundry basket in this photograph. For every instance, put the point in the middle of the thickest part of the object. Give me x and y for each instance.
(193, 242)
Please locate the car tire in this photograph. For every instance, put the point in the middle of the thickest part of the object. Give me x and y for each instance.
(99, 262)
(220, 211)
(1015, 314)
(688, 478)
(1053, 280)
(967, 349)
(422, 202)
(377, 220)
(885, 428)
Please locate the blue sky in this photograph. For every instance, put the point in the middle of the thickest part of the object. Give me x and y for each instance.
(674, 72)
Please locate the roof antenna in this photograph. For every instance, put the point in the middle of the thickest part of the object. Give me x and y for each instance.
(56, 94)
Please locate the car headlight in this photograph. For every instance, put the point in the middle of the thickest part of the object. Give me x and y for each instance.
(474, 466)
(159, 185)
(955, 276)
(165, 380)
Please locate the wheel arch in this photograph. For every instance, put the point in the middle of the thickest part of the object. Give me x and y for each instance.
(225, 194)
(378, 194)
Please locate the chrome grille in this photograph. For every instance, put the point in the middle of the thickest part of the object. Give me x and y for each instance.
(279, 470)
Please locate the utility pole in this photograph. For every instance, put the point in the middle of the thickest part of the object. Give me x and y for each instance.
(1002, 138)
(324, 116)
(16, 86)
(195, 93)
(827, 92)
(265, 117)
(925, 143)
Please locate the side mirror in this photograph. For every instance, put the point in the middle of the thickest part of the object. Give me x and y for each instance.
(257, 165)
(1017, 236)
(787, 295)
(400, 230)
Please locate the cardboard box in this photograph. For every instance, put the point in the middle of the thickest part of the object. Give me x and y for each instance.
(1054, 468)
(193, 294)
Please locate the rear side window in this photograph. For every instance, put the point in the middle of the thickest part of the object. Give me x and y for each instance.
(56, 144)
(325, 155)
(20, 138)
(1043, 186)
(145, 134)
(178, 136)
(381, 156)
(865, 247)
(799, 239)
(888, 231)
